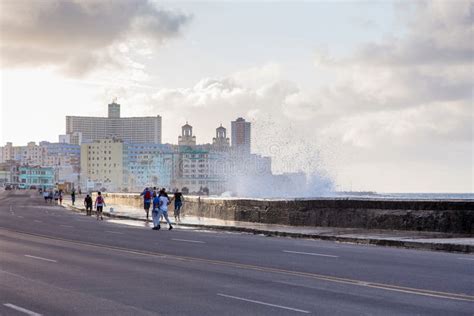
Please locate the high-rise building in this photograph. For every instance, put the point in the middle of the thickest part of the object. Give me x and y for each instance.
(129, 129)
(241, 136)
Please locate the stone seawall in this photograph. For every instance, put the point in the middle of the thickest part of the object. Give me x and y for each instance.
(416, 215)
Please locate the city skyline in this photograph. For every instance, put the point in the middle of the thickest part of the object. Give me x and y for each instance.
(376, 94)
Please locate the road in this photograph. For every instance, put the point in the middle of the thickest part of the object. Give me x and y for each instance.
(57, 262)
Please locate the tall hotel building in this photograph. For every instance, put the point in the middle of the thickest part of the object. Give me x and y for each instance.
(241, 136)
(128, 129)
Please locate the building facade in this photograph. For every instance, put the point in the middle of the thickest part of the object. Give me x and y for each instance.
(103, 165)
(31, 177)
(241, 138)
(129, 129)
(149, 165)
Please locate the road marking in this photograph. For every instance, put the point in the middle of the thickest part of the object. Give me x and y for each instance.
(466, 259)
(263, 303)
(310, 254)
(37, 221)
(20, 216)
(187, 240)
(40, 258)
(21, 309)
(111, 232)
(68, 226)
(236, 265)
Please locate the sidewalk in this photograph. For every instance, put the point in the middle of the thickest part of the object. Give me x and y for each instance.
(405, 239)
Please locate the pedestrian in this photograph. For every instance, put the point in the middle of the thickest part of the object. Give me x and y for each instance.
(146, 201)
(88, 205)
(73, 196)
(99, 205)
(178, 204)
(155, 213)
(154, 192)
(60, 198)
(56, 196)
(46, 196)
(163, 202)
(50, 197)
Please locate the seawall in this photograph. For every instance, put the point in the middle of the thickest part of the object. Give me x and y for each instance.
(412, 215)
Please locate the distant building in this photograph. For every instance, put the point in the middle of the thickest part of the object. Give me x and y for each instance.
(149, 165)
(103, 165)
(186, 138)
(220, 142)
(241, 136)
(65, 159)
(129, 129)
(36, 177)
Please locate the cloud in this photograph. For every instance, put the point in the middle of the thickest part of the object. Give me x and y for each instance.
(79, 36)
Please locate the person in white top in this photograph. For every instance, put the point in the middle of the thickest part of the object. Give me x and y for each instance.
(163, 203)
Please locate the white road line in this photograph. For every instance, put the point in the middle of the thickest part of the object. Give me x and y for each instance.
(310, 254)
(263, 303)
(472, 259)
(37, 221)
(111, 232)
(40, 258)
(21, 309)
(187, 240)
(20, 216)
(68, 226)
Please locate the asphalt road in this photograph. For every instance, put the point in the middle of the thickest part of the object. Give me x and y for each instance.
(57, 262)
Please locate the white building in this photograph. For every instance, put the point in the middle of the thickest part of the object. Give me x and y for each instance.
(129, 129)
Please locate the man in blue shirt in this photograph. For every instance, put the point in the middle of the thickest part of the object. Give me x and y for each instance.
(147, 195)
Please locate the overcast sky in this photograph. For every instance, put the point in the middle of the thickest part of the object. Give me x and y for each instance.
(377, 93)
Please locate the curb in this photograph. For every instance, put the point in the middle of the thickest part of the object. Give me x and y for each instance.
(447, 247)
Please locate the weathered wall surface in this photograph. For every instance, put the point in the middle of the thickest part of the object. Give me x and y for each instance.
(438, 216)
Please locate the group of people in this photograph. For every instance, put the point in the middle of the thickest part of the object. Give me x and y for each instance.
(49, 196)
(159, 201)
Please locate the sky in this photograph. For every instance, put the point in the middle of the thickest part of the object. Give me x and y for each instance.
(376, 94)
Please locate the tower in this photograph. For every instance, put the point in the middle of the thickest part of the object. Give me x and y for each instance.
(187, 138)
(220, 141)
(114, 110)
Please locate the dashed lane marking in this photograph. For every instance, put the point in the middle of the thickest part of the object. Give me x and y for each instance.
(21, 309)
(472, 259)
(68, 226)
(112, 232)
(187, 240)
(310, 254)
(263, 303)
(40, 258)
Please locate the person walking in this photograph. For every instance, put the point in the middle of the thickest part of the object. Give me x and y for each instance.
(99, 205)
(73, 196)
(155, 212)
(88, 205)
(60, 198)
(163, 202)
(178, 204)
(147, 194)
